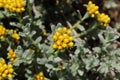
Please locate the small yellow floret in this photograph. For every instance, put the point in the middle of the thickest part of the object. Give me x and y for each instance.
(92, 9)
(39, 76)
(15, 36)
(103, 19)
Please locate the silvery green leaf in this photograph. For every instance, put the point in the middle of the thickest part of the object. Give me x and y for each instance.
(49, 66)
(41, 60)
(18, 62)
(80, 72)
(28, 56)
(57, 59)
(28, 71)
(19, 50)
(85, 16)
(31, 1)
(101, 37)
(26, 43)
(22, 34)
(53, 28)
(77, 51)
(32, 33)
(104, 68)
(1, 15)
(110, 4)
(74, 68)
(38, 39)
(97, 49)
(81, 27)
(59, 25)
(15, 24)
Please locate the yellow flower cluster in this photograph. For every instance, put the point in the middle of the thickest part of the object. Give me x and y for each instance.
(13, 5)
(102, 18)
(62, 39)
(6, 71)
(39, 76)
(12, 55)
(92, 9)
(2, 31)
(15, 36)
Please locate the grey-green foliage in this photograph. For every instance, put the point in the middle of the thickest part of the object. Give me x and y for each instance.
(98, 58)
(25, 57)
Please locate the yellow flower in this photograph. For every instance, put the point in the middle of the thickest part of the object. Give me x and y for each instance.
(13, 5)
(64, 45)
(62, 38)
(15, 36)
(1, 3)
(103, 19)
(12, 55)
(2, 31)
(59, 47)
(92, 9)
(71, 44)
(54, 37)
(6, 71)
(59, 30)
(39, 76)
(54, 46)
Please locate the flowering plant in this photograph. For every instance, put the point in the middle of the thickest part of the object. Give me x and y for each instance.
(54, 40)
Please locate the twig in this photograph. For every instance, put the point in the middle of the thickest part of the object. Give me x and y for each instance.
(35, 11)
(73, 30)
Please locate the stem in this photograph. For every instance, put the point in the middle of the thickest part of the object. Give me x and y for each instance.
(81, 20)
(56, 53)
(29, 9)
(87, 31)
(20, 18)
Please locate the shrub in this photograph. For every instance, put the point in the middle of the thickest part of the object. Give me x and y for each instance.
(51, 40)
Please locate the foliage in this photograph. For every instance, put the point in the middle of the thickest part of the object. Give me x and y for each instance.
(88, 49)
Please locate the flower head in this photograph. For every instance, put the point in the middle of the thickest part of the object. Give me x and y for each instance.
(6, 71)
(92, 9)
(103, 19)
(2, 31)
(62, 39)
(15, 36)
(12, 55)
(13, 5)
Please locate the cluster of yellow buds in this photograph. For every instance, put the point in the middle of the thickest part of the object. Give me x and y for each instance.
(15, 35)
(3, 31)
(62, 39)
(6, 71)
(92, 9)
(12, 55)
(39, 76)
(102, 18)
(13, 5)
